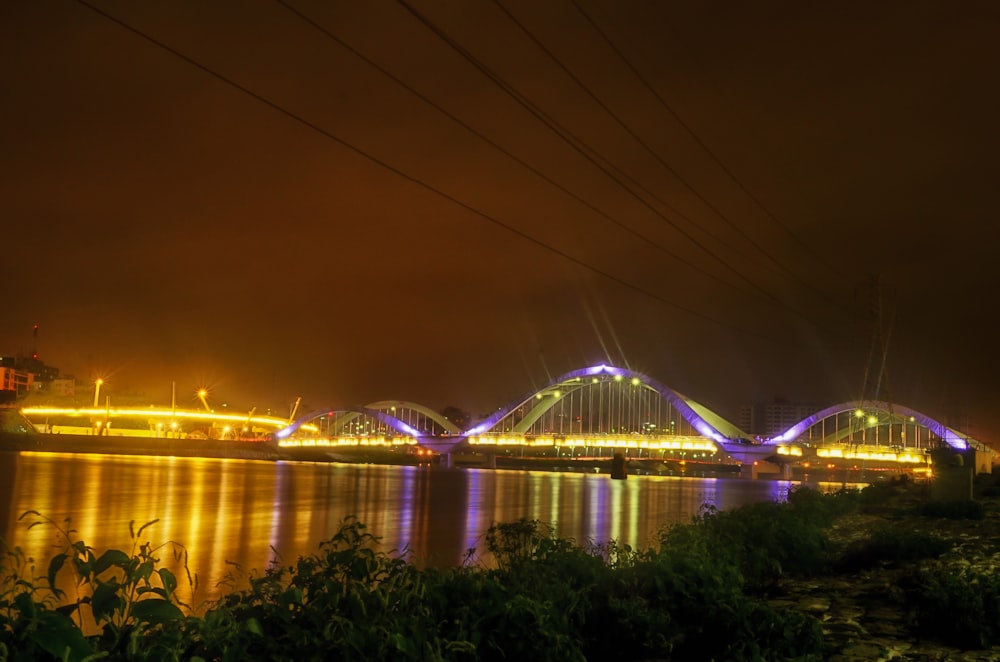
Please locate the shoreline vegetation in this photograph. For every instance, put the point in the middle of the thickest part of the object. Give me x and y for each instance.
(880, 573)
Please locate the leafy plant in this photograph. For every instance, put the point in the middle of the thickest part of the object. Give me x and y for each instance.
(117, 596)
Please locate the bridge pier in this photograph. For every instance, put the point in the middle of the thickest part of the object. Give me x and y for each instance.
(753, 470)
(953, 474)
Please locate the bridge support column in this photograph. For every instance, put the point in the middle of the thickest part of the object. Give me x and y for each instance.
(490, 461)
(447, 460)
(753, 470)
(953, 475)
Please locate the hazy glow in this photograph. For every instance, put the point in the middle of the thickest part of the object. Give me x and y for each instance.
(152, 412)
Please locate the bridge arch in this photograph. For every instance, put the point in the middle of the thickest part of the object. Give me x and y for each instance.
(883, 413)
(537, 403)
(402, 405)
(383, 411)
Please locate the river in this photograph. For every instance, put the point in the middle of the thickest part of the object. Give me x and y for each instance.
(252, 513)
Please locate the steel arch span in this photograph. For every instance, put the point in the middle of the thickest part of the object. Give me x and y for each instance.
(376, 410)
(706, 422)
(900, 415)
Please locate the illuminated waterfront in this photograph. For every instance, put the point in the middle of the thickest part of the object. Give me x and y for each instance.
(246, 512)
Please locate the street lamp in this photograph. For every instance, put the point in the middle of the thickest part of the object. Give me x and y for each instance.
(97, 391)
(203, 395)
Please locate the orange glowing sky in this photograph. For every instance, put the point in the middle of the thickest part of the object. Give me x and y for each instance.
(704, 196)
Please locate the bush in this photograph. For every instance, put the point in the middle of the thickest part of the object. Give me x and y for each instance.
(892, 547)
(960, 607)
(547, 599)
(767, 541)
(118, 595)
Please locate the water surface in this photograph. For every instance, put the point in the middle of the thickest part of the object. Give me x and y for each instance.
(252, 513)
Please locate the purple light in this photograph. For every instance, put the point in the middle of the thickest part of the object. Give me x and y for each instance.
(403, 427)
(949, 436)
(597, 370)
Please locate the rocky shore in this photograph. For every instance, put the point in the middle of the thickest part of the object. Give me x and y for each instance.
(867, 614)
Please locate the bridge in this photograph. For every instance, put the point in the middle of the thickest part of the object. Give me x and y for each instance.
(602, 410)
(593, 412)
(156, 422)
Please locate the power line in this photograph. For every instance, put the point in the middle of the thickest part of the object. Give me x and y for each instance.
(722, 166)
(645, 145)
(410, 178)
(451, 116)
(576, 143)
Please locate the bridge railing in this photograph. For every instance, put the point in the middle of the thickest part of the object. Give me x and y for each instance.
(645, 442)
(346, 440)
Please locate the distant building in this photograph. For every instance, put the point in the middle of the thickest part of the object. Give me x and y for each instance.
(64, 387)
(19, 375)
(768, 420)
(14, 383)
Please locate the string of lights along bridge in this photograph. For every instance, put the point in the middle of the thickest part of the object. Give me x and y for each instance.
(590, 412)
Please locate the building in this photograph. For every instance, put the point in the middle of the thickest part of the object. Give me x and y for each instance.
(14, 383)
(63, 387)
(19, 375)
(768, 420)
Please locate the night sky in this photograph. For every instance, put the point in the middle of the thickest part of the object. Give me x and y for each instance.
(452, 202)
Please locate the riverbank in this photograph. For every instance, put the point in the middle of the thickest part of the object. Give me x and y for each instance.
(884, 573)
(911, 578)
(143, 446)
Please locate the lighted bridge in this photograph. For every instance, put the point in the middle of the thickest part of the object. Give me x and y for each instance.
(603, 409)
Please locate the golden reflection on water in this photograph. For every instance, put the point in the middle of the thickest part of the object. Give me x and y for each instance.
(251, 513)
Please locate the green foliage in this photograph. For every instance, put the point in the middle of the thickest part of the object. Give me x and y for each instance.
(961, 607)
(348, 601)
(700, 593)
(767, 541)
(116, 594)
(30, 628)
(892, 546)
(882, 492)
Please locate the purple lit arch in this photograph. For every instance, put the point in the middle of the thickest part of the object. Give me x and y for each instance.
(905, 415)
(702, 419)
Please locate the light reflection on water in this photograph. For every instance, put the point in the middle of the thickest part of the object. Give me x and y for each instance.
(252, 513)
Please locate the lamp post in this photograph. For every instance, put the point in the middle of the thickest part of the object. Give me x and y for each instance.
(97, 392)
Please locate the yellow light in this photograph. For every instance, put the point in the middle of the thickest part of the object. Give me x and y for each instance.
(618, 378)
(635, 381)
(872, 420)
(859, 414)
(147, 413)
